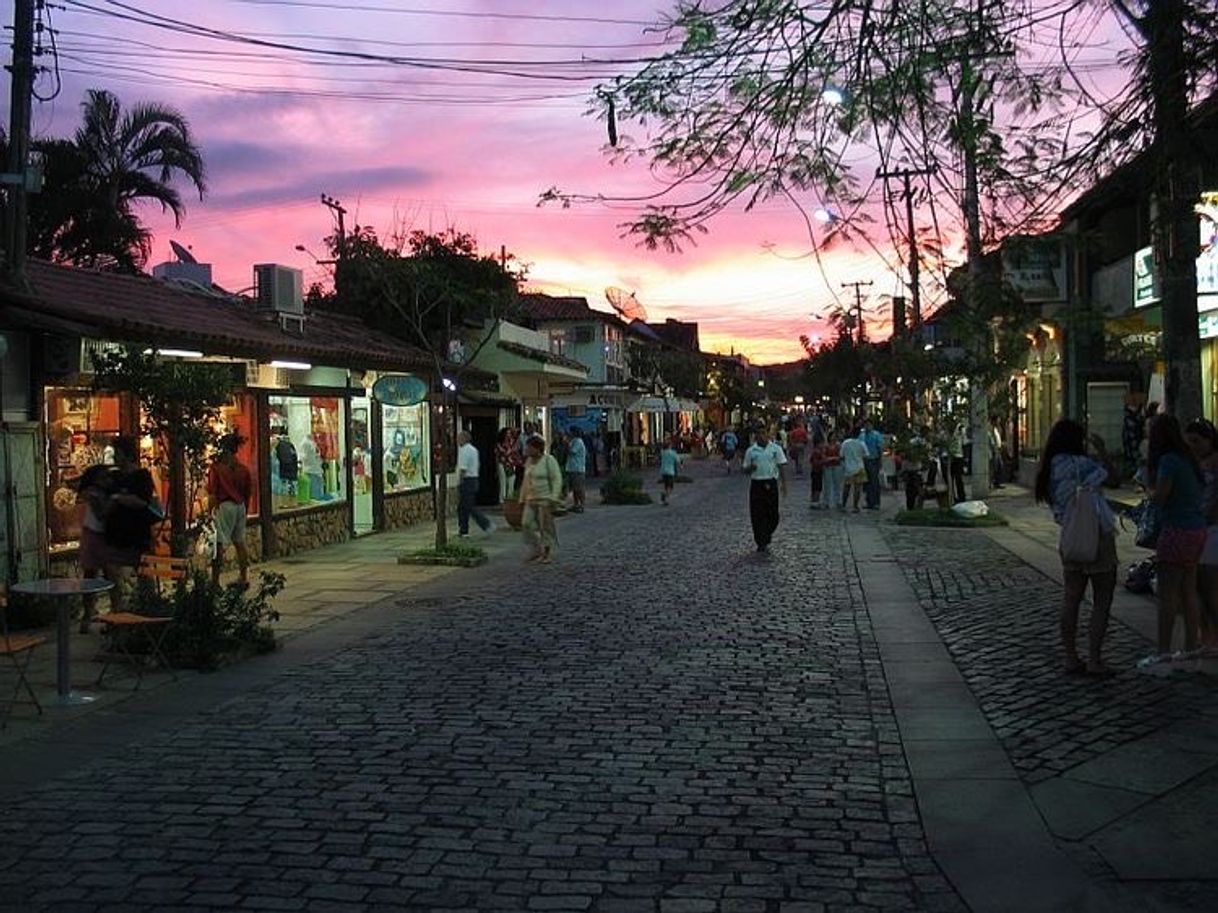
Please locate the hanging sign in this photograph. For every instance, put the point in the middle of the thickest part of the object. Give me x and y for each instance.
(400, 389)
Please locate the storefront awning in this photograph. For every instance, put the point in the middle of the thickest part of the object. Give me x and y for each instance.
(660, 404)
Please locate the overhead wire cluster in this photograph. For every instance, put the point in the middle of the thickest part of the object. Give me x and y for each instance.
(352, 67)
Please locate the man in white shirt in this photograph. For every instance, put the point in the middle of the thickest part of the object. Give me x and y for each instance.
(468, 466)
(764, 461)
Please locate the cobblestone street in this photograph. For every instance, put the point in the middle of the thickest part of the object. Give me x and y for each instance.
(998, 618)
(663, 721)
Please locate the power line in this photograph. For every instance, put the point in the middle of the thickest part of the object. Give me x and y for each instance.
(418, 11)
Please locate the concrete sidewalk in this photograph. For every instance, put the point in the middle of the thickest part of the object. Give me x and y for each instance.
(322, 585)
(1108, 787)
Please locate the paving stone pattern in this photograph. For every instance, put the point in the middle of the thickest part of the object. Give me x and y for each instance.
(999, 618)
(664, 721)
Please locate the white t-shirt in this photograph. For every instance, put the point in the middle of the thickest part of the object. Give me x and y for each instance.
(854, 452)
(467, 462)
(764, 460)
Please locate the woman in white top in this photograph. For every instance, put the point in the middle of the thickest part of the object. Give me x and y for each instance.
(854, 467)
(540, 491)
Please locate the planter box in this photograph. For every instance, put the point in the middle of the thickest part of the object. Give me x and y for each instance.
(443, 560)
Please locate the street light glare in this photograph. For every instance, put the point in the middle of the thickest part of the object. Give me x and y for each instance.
(832, 95)
(823, 215)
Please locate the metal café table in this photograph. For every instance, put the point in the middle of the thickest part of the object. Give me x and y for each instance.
(63, 590)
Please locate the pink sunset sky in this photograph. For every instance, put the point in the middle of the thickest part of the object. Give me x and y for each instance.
(434, 148)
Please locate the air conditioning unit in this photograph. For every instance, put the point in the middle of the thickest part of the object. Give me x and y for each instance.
(279, 288)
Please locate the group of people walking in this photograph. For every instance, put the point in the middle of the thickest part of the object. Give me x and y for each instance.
(1181, 477)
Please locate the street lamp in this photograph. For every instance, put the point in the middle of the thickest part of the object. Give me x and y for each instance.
(316, 259)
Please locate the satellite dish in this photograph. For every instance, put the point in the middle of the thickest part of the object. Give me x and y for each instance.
(625, 304)
(184, 255)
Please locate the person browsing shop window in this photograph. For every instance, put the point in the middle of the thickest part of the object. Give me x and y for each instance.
(229, 486)
(764, 462)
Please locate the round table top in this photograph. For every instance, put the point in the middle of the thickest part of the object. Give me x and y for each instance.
(63, 586)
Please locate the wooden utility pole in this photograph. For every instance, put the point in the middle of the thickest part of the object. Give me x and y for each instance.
(915, 293)
(20, 95)
(340, 215)
(858, 303)
(1176, 192)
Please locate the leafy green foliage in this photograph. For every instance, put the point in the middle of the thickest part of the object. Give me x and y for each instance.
(664, 367)
(623, 487)
(211, 622)
(424, 288)
(181, 400)
(933, 516)
(453, 554)
(87, 211)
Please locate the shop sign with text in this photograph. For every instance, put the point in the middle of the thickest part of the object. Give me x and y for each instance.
(400, 389)
(1146, 290)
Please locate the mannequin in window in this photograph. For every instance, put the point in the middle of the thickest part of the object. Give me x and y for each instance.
(310, 466)
(287, 461)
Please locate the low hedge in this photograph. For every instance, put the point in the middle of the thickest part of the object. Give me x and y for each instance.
(934, 516)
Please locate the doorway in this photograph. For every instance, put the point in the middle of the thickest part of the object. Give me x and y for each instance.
(362, 521)
(483, 427)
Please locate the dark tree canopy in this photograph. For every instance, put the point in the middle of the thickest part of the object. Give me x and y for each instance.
(424, 288)
(93, 185)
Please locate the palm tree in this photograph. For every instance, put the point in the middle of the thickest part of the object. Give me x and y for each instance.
(86, 211)
(130, 157)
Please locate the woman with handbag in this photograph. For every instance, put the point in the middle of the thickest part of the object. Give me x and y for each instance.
(1069, 481)
(1178, 485)
(540, 493)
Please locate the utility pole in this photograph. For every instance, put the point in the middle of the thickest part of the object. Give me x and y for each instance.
(979, 395)
(915, 293)
(858, 303)
(20, 95)
(340, 214)
(1177, 191)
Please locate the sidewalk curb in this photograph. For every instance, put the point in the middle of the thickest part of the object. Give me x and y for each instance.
(981, 824)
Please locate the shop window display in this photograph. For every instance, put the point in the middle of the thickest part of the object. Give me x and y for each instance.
(307, 444)
(80, 428)
(404, 433)
(237, 416)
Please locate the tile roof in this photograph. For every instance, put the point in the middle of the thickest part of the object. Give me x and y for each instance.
(144, 309)
(542, 356)
(562, 307)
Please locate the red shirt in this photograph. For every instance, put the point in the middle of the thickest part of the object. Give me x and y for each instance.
(229, 483)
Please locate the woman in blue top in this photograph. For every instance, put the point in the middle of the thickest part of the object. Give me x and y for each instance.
(1064, 466)
(1178, 485)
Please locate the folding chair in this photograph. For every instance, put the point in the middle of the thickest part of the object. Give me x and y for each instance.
(149, 630)
(19, 648)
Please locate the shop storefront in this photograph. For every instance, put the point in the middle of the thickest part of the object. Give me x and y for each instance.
(329, 459)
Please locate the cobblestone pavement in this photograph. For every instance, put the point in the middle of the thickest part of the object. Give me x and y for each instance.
(998, 617)
(664, 721)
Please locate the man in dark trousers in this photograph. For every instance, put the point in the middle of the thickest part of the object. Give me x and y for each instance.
(764, 461)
